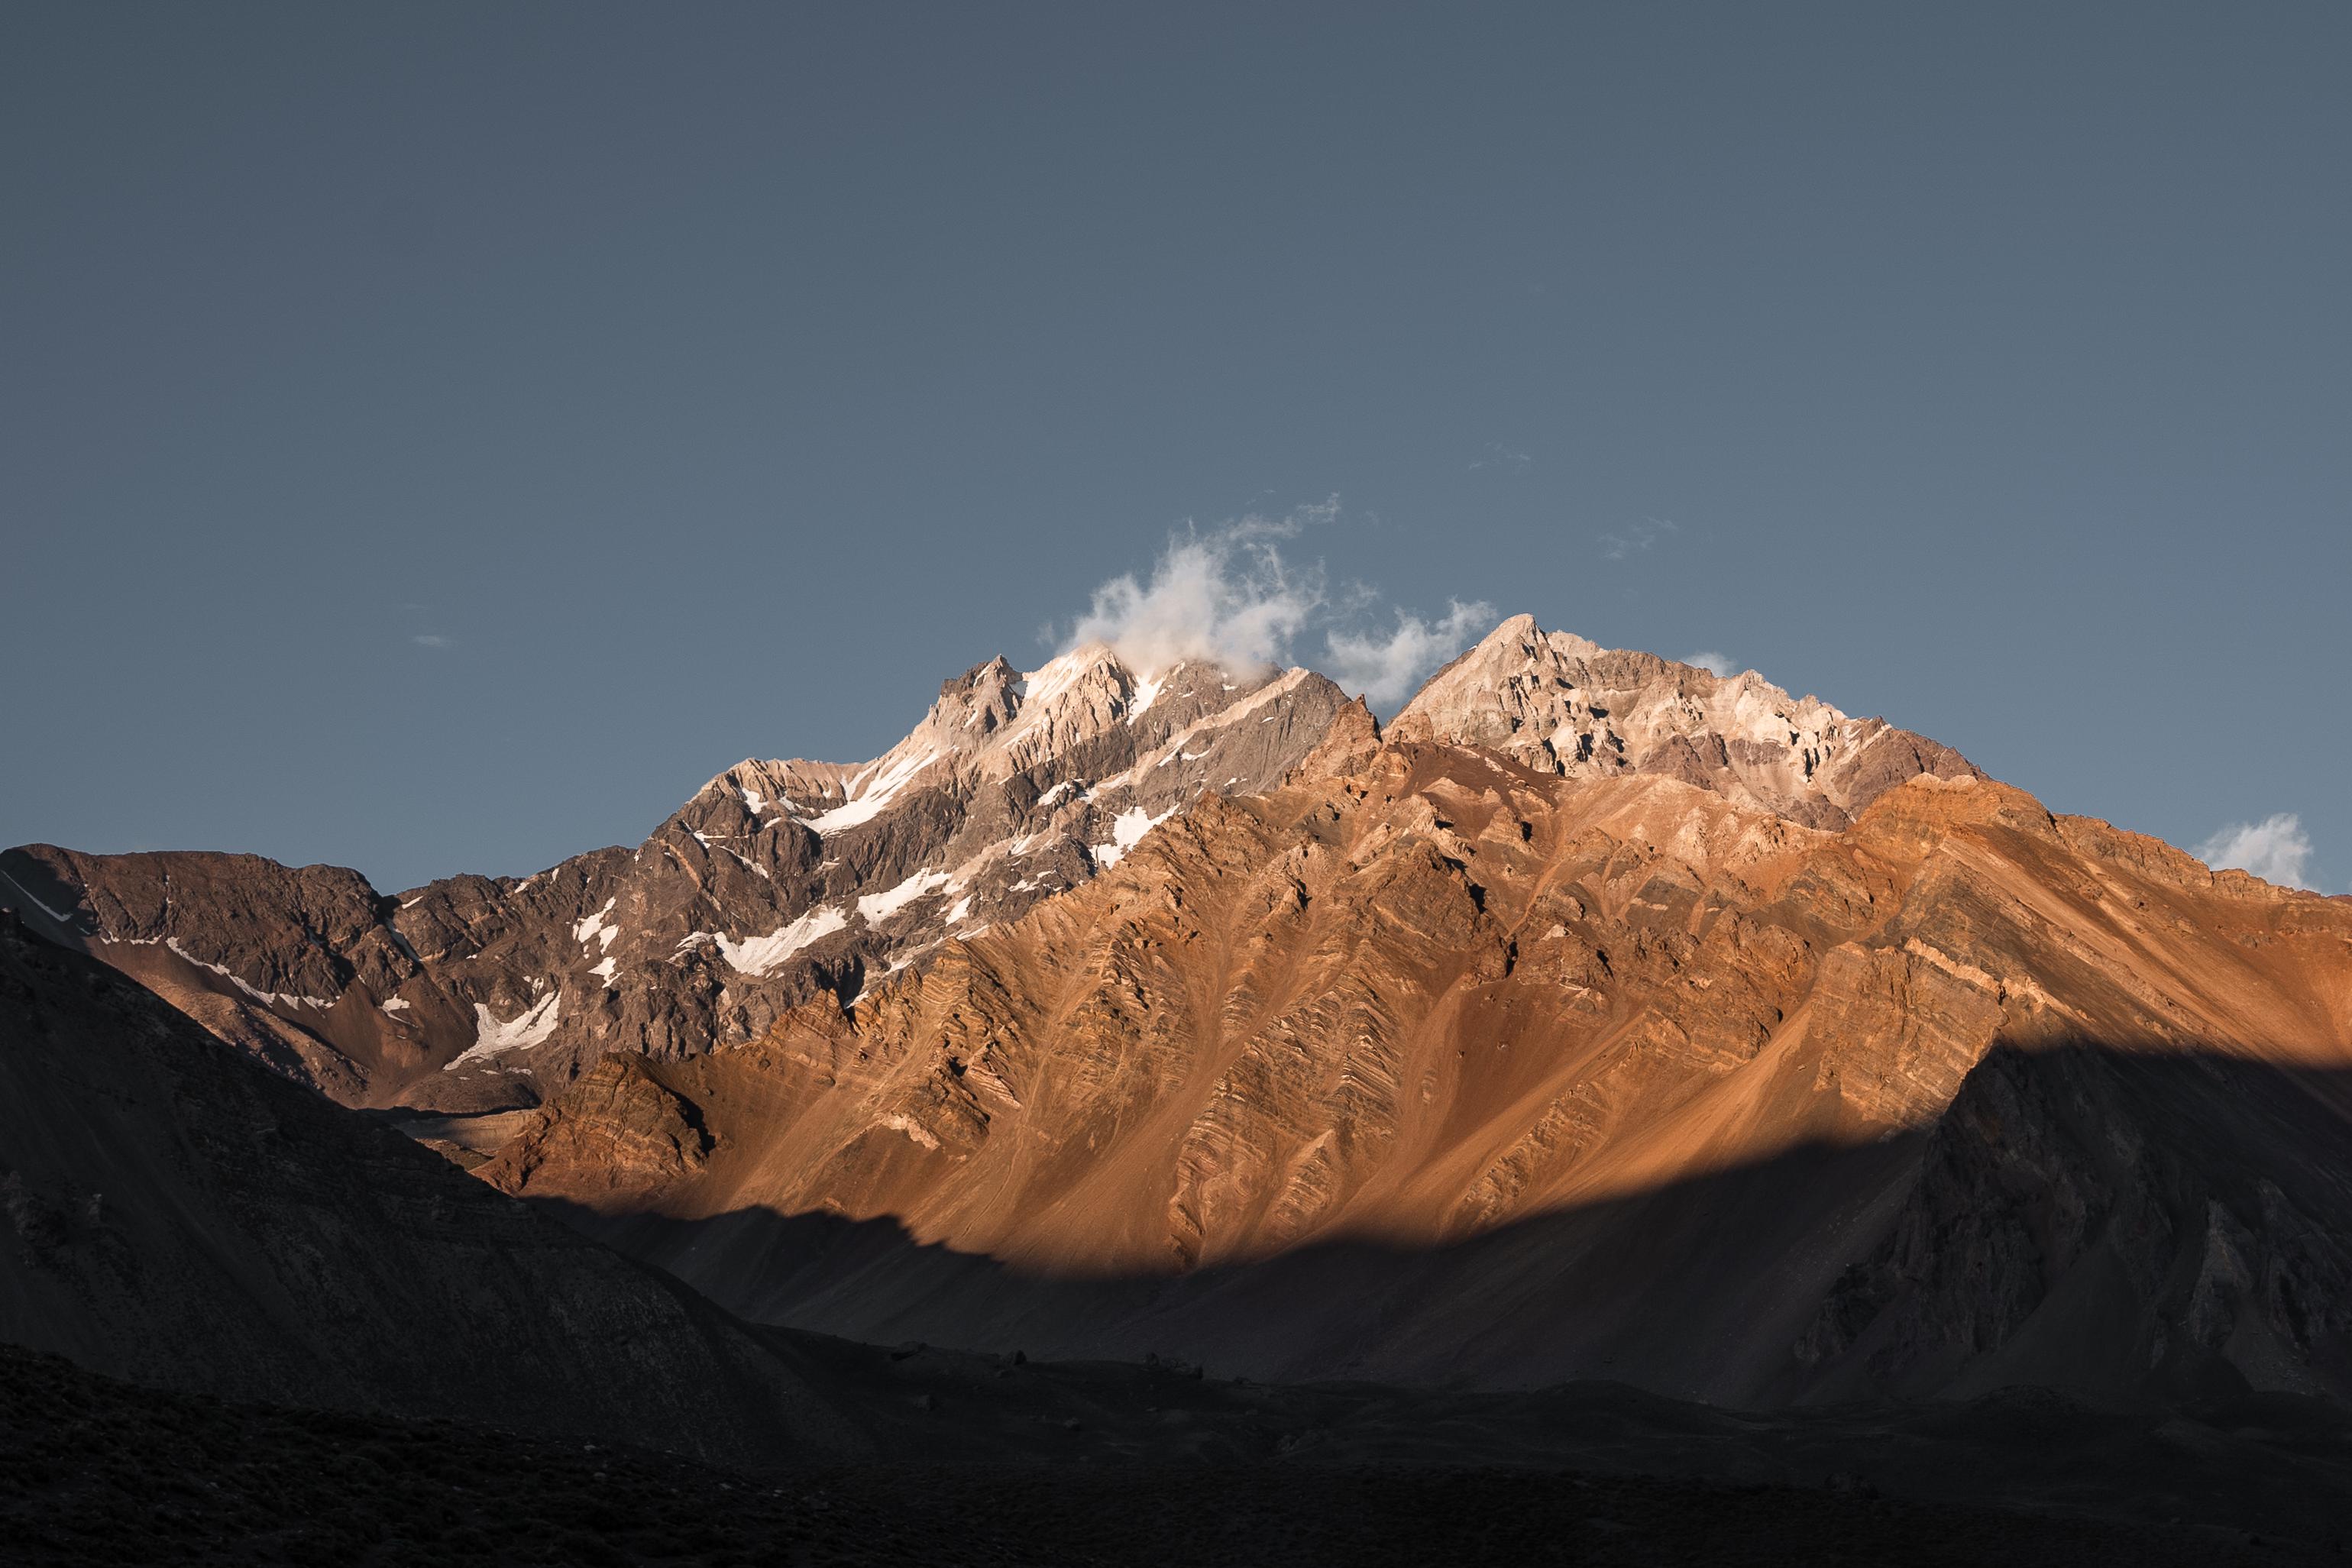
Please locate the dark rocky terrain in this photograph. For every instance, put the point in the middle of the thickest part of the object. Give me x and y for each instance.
(96, 1471)
(176, 1214)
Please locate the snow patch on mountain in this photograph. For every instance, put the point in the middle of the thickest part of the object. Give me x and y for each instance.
(63, 917)
(1127, 831)
(758, 955)
(877, 907)
(492, 1038)
(889, 776)
(267, 998)
(597, 929)
(1040, 686)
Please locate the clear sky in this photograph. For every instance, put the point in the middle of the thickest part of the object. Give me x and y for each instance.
(439, 437)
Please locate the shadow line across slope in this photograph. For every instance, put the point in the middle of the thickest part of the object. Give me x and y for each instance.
(2124, 1224)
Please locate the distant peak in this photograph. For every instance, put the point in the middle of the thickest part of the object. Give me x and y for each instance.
(995, 672)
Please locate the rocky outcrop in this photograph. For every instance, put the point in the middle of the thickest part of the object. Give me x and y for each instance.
(1563, 704)
(778, 883)
(620, 1123)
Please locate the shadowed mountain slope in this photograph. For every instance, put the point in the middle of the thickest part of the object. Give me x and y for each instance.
(176, 1214)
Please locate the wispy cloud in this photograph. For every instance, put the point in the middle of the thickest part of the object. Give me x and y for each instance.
(1498, 456)
(423, 626)
(1389, 669)
(1228, 595)
(1714, 663)
(2275, 849)
(1640, 536)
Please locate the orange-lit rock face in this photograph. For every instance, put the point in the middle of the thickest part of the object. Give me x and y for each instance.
(1423, 991)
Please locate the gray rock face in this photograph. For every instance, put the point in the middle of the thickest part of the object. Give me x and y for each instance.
(778, 882)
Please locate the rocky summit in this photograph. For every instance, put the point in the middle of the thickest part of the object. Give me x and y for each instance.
(1560, 704)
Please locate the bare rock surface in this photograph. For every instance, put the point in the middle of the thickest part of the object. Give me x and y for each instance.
(1561, 704)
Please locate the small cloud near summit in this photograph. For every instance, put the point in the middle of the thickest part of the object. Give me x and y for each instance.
(1713, 664)
(431, 640)
(1389, 669)
(1227, 595)
(2275, 849)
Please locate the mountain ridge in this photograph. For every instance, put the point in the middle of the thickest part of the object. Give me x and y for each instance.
(779, 882)
(775, 882)
(1426, 994)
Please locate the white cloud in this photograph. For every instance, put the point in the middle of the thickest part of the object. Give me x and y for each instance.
(1227, 596)
(431, 640)
(1640, 536)
(1713, 664)
(1388, 670)
(2275, 849)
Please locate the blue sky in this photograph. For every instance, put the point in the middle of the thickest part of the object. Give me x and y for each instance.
(437, 438)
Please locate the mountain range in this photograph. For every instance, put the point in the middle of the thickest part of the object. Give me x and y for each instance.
(776, 883)
(1597, 1018)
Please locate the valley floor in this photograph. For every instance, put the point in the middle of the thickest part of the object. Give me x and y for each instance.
(97, 1471)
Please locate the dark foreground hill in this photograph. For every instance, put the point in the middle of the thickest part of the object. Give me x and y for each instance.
(97, 1471)
(179, 1215)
